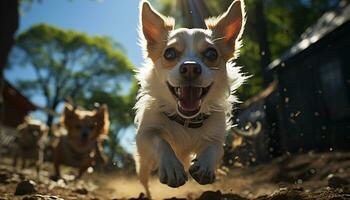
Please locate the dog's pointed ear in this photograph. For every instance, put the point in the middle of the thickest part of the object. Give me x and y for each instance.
(154, 26)
(68, 109)
(228, 28)
(103, 110)
(68, 113)
(102, 113)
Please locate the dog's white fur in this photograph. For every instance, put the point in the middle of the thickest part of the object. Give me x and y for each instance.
(164, 144)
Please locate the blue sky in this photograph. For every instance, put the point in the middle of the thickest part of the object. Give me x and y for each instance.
(117, 19)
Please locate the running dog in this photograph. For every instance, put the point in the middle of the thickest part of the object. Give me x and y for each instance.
(187, 85)
(31, 142)
(81, 147)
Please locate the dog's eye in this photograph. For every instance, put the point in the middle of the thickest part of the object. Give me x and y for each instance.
(170, 53)
(211, 54)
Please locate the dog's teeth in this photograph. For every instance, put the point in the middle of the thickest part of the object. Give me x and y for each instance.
(200, 91)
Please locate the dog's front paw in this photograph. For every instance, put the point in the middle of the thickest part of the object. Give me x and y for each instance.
(202, 173)
(56, 178)
(172, 173)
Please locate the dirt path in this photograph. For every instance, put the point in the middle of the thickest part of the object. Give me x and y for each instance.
(299, 177)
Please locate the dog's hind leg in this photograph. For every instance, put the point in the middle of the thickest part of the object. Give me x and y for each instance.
(146, 158)
(15, 158)
(144, 172)
(57, 159)
(24, 161)
(39, 163)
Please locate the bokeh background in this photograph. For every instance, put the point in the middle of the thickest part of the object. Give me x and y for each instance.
(85, 52)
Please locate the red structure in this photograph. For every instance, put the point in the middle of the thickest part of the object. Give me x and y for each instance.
(15, 107)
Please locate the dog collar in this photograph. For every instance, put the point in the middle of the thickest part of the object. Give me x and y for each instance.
(195, 122)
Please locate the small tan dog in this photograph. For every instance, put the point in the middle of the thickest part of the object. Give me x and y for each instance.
(32, 139)
(82, 145)
(186, 91)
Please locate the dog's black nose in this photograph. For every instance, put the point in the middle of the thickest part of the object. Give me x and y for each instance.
(190, 70)
(84, 134)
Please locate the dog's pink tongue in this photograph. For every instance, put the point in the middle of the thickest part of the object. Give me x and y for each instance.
(190, 98)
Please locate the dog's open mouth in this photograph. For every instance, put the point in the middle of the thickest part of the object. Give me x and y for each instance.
(189, 98)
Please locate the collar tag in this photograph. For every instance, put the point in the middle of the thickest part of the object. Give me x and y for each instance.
(195, 122)
(187, 122)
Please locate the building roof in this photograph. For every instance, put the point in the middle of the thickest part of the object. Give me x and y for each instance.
(12, 95)
(326, 24)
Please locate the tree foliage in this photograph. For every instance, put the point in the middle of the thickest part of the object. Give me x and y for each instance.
(68, 63)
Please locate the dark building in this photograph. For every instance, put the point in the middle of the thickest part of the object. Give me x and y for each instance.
(311, 109)
(307, 107)
(15, 107)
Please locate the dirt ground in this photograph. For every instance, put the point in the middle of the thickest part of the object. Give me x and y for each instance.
(308, 176)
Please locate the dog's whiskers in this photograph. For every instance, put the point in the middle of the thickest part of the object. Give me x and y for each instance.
(214, 68)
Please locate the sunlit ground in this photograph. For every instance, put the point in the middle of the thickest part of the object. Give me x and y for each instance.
(128, 187)
(321, 176)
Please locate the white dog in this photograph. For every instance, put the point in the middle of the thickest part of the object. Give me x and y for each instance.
(186, 91)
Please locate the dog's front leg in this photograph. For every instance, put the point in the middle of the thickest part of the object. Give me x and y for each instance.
(171, 171)
(84, 166)
(57, 155)
(100, 155)
(204, 166)
(155, 153)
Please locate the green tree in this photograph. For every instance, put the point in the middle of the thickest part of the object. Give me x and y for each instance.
(69, 64)
(272, 27)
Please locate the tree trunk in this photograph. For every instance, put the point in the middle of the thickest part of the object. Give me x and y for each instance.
(50, 117)
(9, 23)
(49, 122)
(265, 60)
(9, 18)
(262, 37)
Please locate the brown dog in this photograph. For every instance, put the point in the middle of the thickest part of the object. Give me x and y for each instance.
(82, 146)
(31, 140)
